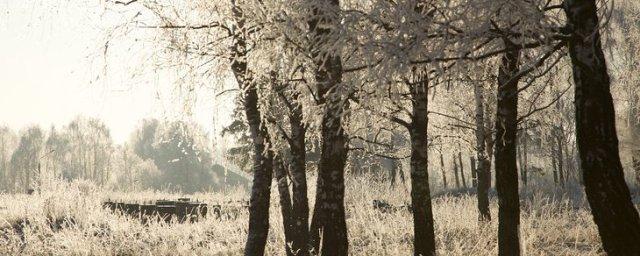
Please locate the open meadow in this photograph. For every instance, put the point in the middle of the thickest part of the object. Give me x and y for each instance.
(67, 219)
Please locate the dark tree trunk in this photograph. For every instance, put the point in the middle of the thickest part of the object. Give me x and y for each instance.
(297, 171)
(561, 176)
(392, 174)
(329, 211)
(262, 173)
(490, 141)
(554, 163)
(285, 203)
(443, 170)
(484, 164)
(400, 172)
(262, 165)
(505, 156)
(299, 179)
(455, 171)
(608, 195)
(464, 181)
(569, 160)
(474, 176)
(424, 235)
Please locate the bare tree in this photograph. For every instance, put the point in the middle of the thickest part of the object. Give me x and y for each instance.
(328, 224)
(608, 195)
(505, 155)
(484, 164)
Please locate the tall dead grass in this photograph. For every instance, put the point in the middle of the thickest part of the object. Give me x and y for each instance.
(67, 219)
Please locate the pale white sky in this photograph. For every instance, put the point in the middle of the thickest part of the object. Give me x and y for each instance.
(51, 70)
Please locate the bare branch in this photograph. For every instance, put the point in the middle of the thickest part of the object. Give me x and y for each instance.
(125, 3)
(520, 119)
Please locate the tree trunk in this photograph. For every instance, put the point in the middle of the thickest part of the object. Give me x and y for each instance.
(561, 176)
(299, 179)
(484, 164)
(443, 170)
(392, 174)
(554, 163)
(569, 160)
(329, 211)
(262, 165)
(285, 203)
(505, 156)
(474, 176)
(424, 235)
(608, 195)
(464, 182)
(262, 173)
(455, 171)
(401, 174)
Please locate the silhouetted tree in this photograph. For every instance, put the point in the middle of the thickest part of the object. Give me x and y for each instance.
(329, 211)
(505, 156)
(608, 195)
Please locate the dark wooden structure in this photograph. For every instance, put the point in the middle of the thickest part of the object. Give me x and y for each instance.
(182, 210)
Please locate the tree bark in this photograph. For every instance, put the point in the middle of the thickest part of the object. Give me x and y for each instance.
(443, 170)
(455, 170)
(554, 163)
(505, 156)
(561, 176)
(392, 175)
(474, 176)
(608, 195)
(299, 179)
(329, 211)
(286, 207)
(262, 163)
(464, 181)
(262, 173)
(401, 174)
(570, 162)
(424, 235)
(484, 164)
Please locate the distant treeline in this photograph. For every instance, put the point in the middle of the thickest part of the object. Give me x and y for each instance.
(173, 155)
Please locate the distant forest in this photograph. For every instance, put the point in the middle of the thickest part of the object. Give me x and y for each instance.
(170, 155)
